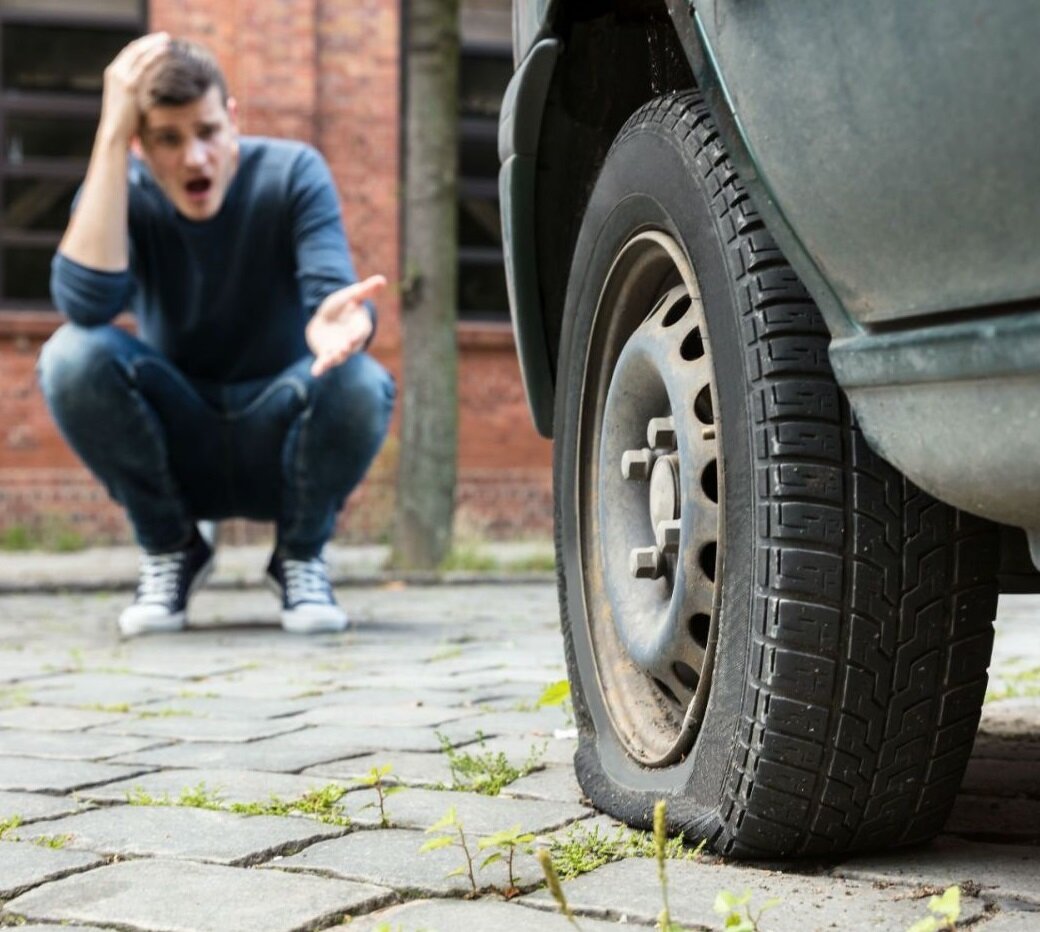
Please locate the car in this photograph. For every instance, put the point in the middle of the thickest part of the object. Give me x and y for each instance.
(773, 277)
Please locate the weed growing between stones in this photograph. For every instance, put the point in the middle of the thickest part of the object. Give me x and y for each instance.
(374, 779)
(13, 698)
(121, 708)
(8, 825)
(57, 842)
(505, 844)
(945, 911)
(487, 773)
(320, 804)
(728, 905)
(451, 834)
(582, 850)
(662, 848)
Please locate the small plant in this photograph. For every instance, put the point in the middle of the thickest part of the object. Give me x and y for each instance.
(321, 804)
(552, 881)
(487, 773)
(557, 693)
(452, 834)
(165, 713)
(198, 797)
(8, 825)
(374, 779)
(121, 708)
(467, 560)
(728, 904)
(582, 850)
(507, 843)
(52, 841)
(945, 911)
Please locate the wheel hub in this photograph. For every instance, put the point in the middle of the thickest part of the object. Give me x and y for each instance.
(657, 517)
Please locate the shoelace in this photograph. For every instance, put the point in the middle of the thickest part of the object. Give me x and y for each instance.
(305, 581)
(160, 577)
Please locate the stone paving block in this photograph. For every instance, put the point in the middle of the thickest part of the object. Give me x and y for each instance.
(183, 832)
(388, 716)
(101, 689)
(230, 786)
(810, 902)
(59, 776)
(1008, 874)
(352, 695)
(315, 745)
(988, 777)
(54, 718)
(392, 858)
(547, 750)
(263, 684)
(176, 664)
(32, 806)
(1011, 921)
(1012, 717)
(1006, 747)
(181, 896)
(410, 768)
(64, 927)
(480, 815)
(24, 865)
(539, 722)
(551, 783)
(195, 700)
(71, 746)
(476, 916)
(990, 818)
(194, 728)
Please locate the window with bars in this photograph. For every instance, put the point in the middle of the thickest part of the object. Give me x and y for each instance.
(486, 66)
(52, 57)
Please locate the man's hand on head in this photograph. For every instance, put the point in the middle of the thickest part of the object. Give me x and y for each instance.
(341, 326)
(120, 106)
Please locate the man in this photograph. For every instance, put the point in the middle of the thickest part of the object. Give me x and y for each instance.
(247, 391)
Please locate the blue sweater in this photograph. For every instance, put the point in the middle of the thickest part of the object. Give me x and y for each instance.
(225, 299)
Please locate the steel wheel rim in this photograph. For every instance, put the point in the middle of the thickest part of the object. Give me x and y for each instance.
(652, 621)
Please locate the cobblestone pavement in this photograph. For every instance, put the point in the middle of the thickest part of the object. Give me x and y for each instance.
(246, 727)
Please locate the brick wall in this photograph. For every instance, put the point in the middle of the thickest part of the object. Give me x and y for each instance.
(327, 72)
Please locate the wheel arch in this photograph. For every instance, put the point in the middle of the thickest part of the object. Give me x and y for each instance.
(614, 56)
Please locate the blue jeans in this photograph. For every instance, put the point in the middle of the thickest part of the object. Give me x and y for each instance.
(172, 450)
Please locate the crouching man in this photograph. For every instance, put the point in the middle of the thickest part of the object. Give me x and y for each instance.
(247, 391)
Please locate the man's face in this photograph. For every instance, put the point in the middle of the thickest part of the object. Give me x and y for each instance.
(192, 151)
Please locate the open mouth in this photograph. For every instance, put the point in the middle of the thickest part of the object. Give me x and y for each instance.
(198, 187)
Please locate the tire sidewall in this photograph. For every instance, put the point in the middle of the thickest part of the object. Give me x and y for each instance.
(651, 180)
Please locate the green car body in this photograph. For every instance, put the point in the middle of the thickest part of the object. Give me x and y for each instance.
(892, 149)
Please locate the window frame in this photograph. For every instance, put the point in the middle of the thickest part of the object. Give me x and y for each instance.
(57, 105)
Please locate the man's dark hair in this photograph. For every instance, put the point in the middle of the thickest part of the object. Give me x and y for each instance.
(184, 74)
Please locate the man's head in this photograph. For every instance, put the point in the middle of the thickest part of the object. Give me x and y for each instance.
(188, 134)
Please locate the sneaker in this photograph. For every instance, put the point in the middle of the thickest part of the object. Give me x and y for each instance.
(167, 582)
(308, 605)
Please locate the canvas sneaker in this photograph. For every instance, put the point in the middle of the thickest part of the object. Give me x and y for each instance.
(167, 581)
(308, 605)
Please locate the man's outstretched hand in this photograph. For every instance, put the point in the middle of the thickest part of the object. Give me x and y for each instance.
(341, 325)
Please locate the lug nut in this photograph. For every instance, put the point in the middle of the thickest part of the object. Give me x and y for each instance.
(667, 534)
(660, 433)
(637, 464)
(646, 563)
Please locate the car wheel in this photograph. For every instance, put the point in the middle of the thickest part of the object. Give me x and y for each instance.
(766, 625)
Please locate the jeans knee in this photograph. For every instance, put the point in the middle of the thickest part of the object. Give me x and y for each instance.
(359, 394)
(75, 364)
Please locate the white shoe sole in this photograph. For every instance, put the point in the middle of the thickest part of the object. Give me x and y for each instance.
(163, 624)
(296, 625)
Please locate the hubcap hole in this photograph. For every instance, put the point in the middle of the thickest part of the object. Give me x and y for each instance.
(702, 406)
(710, 481)
(708, 560)
(666, 689)
(676, 311)
(693, 346)
(699, 627)
(685, 674)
